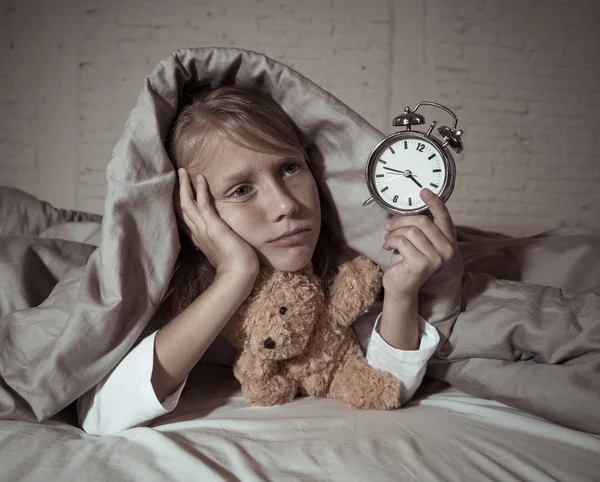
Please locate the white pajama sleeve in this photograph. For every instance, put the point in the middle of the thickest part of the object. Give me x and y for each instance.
(408, 366)
(125, 398)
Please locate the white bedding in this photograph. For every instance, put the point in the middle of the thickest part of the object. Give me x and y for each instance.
(214, 434)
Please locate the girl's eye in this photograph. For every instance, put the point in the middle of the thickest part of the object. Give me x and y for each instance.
(291, 168)
(241, 191)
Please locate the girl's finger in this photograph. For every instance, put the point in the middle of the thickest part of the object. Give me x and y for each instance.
(418, 239)
(188, 222)
(434, 234)
(189, 205)
(440, 213)
(205, 207)
(186, 197)
(405, 248)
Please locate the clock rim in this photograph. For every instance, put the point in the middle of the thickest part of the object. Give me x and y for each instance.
(447, 158)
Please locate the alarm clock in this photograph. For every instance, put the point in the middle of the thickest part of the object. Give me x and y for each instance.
(406, 161)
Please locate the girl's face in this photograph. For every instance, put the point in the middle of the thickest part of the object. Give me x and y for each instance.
(264, 196)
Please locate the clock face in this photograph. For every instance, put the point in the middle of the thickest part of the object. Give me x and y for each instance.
(404, 167)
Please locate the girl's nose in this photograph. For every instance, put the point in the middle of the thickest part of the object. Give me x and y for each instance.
(282, 204)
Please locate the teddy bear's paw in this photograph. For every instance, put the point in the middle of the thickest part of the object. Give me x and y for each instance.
(383, 393)
(307, 364)
(297, 367)
(283, 389)
(274, 391)
(370, 280)
(359, 385)
(355, 288)
(316, 384)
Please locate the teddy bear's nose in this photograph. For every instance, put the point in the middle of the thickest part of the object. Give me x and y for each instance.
(269, 343)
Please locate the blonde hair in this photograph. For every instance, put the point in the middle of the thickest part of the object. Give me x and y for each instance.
(254, 121)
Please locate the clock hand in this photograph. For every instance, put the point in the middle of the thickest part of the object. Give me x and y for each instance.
(393, 170)
(415, 181)
(406, 173)
(393, 178)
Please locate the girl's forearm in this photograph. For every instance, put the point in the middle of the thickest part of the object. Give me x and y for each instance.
(180, 344)
(399, 325)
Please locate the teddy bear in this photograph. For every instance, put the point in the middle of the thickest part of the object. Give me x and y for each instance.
(292, 339)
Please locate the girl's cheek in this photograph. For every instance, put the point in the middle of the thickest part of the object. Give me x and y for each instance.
(231, 214)
(223, 210)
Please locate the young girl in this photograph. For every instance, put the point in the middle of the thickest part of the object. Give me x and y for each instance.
(247, 196)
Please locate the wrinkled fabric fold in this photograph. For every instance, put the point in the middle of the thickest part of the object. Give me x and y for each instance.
(532, 341)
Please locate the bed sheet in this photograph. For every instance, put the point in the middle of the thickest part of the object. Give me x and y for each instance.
(214, 435)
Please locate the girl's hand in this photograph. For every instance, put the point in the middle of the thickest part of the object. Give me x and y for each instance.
(223, 248)
(420, 247)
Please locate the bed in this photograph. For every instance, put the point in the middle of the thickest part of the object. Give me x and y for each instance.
(214, 434)
(512, 394)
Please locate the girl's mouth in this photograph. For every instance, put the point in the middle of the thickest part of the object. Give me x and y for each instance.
(294, 239)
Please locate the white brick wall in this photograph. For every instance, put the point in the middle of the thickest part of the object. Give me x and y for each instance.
(524, 79)
(519, 74)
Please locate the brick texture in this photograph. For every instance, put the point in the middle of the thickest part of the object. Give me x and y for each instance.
(519, 74)
(522, 80)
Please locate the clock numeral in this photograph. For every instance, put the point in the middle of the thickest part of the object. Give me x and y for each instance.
(410, 201)
(437, 170)
(420, 146)
(393, 151)
(433, 185)
(395, 199)
(405, 144)
(382, 161)
(431, 157)
(380, 175)
(385, 189)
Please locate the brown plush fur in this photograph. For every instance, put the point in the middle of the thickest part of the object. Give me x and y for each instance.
(292, 340)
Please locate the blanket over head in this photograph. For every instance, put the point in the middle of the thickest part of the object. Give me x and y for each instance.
(70, 312)
(59, 346)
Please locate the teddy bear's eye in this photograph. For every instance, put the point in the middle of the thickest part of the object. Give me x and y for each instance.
(282, 310)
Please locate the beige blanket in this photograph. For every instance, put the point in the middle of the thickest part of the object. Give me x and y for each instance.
(528, 333)
(70, 312)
